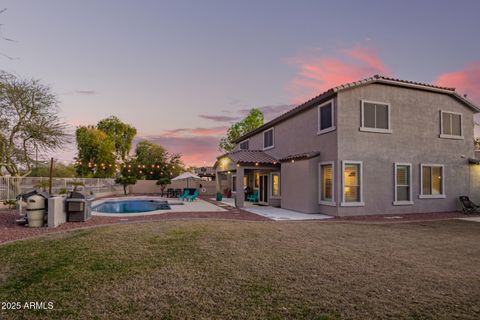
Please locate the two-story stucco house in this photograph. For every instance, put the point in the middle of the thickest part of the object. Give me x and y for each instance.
(376, 146)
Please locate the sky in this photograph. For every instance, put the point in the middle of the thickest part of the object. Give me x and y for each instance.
(182, 71)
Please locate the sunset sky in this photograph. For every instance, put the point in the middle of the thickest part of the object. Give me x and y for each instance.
(182, 71)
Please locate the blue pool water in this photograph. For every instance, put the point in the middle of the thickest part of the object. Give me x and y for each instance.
(131, 206)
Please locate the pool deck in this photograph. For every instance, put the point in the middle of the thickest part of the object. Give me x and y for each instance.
(176, 205)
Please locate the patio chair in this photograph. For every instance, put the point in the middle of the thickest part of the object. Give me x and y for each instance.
(177, 193)
(169, 193)
(193, 197)
(253, 197)
(468, 207)
(184, 196)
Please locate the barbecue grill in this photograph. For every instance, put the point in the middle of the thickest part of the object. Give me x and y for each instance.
(78, 207)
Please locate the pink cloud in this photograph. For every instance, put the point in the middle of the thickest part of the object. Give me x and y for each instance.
(320, 73)
(198, 146)
(466, 81)
(196, 151)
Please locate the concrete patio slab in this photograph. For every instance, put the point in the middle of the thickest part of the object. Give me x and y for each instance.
(274, 213)
(284, 214)
(474, 219)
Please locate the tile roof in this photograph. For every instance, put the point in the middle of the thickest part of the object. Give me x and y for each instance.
(301, 156)
(375, 79)
(249, 156)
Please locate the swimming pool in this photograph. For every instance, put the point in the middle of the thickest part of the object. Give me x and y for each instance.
(131, 206)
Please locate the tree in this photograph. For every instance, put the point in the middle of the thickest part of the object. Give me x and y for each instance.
(61, 171)
(121, 133)
(155, 162)
(126, 181)
(163, 181)
(96, 153)
(28, 121)
(251, 122)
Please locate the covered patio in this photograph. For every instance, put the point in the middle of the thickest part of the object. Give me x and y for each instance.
(249, 176)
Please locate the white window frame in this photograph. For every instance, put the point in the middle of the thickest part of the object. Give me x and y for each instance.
(402, 203)
(432, 196)
(246, 140)
(352, 204)
(450, 136)
(376, 130)
(319, 131)
(273, 139)
(272, 196)
(331, 203)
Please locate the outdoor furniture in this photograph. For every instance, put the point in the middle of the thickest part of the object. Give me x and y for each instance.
(193, 197)
(468, 207)
(253, 197)
(169, 193)
(176, 193)
(184, 196)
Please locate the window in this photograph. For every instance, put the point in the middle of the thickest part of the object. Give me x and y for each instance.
(326, 183)
(451, 125)
(403, 184)
(275, 184)
(256, 181)
(245, 181)
(352, 183)
(325, 117)
(268, 139)
(244, 145)
(432, 181)
(375, 117)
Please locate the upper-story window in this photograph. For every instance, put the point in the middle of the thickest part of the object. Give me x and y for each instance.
(268, 139)
(326, 117)
(375, 117)
(451, 125)
(244, 145)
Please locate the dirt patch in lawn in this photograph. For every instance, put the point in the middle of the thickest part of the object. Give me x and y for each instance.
(246, 270)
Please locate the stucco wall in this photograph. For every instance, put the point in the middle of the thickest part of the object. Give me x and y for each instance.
(150, 186)
(300, 187)
(298, 135)
(415, 124)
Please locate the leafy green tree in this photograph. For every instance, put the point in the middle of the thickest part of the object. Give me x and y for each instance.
(96, 153)
(126, 181)
(121, 133)
(251, 122)
(28, 121)
(163, 181)
(60, 170)
(152, 161)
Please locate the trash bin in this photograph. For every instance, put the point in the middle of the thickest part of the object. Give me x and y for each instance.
(219, 196)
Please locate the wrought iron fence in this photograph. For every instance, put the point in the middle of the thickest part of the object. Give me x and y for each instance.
(11, 187)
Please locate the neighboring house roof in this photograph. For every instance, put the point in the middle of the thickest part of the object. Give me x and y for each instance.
(249, 156)
(301, 156)
(375, 79)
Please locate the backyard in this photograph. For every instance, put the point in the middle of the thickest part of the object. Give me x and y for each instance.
(248, 270)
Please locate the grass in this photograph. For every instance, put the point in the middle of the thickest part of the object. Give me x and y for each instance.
(245, 270)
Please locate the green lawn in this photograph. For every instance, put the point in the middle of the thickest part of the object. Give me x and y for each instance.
(248, 270)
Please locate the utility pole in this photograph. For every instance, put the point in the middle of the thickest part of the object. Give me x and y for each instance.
(51, 175)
